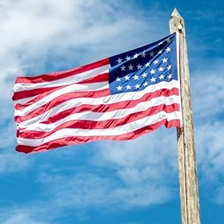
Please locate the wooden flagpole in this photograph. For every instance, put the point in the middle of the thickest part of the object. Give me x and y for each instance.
(190, 211)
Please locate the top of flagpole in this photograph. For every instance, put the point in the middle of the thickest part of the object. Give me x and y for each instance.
(176, 22)
(175, 13)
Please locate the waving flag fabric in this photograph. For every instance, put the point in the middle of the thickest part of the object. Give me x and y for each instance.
(117, 98)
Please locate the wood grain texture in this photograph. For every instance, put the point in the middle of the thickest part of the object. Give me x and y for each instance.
(190, 210)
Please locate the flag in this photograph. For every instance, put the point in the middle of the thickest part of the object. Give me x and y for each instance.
(116, 98)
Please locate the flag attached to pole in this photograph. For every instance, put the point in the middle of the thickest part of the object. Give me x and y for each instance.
(117, 98)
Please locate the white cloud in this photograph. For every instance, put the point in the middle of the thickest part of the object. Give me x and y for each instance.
(20, 216)
(141, 174)
(35, 31)
(91, 190)
(11, 162)
(208, 106)
(60, 33)
(208, 91)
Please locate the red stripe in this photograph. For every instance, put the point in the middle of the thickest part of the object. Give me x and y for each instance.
(80, 139)
(32, 93)
(110, 107)
(97, 108)
(59, 100)
(110, 123)
(64, 74)
(104, 77)
(19, 106)
(79, 94)
(42, 92)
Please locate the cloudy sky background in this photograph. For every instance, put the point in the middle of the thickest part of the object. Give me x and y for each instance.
(133, 182)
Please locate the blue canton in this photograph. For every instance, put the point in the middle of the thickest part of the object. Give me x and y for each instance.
(148, 65)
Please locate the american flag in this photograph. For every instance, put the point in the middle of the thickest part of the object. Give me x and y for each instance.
(117, 98)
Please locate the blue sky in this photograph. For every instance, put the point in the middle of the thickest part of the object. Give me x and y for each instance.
(133, 182)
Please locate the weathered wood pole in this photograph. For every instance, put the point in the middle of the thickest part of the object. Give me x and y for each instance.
(190, 211)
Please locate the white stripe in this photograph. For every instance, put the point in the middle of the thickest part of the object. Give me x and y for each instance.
(68, 89)
(61, 82)
(35, 125)
(95, 101)
(124, 129)
(24, 100)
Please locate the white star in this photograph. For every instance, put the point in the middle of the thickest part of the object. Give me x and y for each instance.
(136, 77)
(137, 86)
(153, 71)
(139, 66)
(144, 75)
(127, 77)
(128, 57)
(147, 64)
(123, 68)
(161, 77)
(143, 54)
(153, 79)
(119, 60)
(118, 79)
(169, 67)
(119, 88)
(164, 60)
(161, 69)
(160, 43)
(160, 52)
(151, 54)
(130, 67)
(156, 62)
(168, 40)
(145, 84)
(169, 76)
(128, 87)
(136, 55)
(168, 49)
